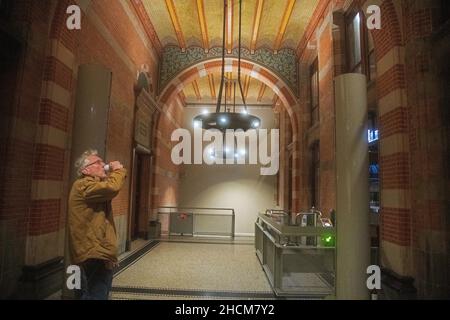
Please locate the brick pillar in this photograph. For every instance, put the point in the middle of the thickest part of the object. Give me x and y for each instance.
(28, 19)
(45, 238)
(395, 224)
(426, 51)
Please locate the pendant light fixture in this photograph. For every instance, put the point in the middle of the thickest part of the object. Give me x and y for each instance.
(224, 118)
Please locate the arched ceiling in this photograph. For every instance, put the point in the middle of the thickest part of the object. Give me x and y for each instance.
(205, 90)
(266, 24)
(273, 24)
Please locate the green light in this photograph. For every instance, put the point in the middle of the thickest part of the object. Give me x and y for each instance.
(328, 240)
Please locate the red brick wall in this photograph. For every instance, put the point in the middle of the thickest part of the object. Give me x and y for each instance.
(32, 159)
(327, 123)
(54, 115)
(166, 174)
(427, 52)
(321, 39)
(92, 47)
(414, 137)
(22, 85)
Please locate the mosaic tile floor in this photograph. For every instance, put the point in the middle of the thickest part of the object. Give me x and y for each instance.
(194, 270)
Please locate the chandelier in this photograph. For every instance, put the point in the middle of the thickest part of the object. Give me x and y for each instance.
(226, 117)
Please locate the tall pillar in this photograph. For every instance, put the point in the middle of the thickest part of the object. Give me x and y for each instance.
(91, 110)
(90, 127)
(352, 181)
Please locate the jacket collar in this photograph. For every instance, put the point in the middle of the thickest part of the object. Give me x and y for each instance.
(90, 178)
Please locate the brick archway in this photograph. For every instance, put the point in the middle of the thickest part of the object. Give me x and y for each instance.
(288, 99)
(247, 68)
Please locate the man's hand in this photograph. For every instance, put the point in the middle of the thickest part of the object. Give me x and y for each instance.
(115, 165)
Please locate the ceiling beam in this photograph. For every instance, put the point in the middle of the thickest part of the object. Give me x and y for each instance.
(202, 22)
(262, 90)
(229, 26)
(256, 23)
(176, 24)
(212, 86)
(284, 22)
(246, 85)
(196, 90)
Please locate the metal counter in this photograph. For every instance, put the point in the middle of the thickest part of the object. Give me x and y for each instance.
(295, 258)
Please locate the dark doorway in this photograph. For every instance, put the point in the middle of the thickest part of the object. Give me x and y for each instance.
(141, 195)
(10, 65)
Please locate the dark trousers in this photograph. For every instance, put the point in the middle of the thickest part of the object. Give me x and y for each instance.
(96, 280)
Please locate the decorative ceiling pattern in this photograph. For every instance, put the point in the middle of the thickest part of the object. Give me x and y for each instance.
(255, 92)
(283, 63)
(190, 31)
(273, 24)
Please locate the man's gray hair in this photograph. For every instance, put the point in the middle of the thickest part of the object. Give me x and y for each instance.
(82, 161)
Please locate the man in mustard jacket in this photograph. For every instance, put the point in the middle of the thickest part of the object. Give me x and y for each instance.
(92, 233)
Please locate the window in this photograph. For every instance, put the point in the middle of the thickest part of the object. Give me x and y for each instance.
(315, 175)
(360, 46)
(354, 43)
(372, 127)
(374, 188)
(314, 85)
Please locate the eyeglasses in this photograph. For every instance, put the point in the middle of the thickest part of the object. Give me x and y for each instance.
(95, 162)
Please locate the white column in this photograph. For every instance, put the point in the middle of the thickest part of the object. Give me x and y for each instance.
(352, 177)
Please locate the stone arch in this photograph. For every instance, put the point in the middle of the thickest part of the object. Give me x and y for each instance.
(287, 97)
(252, 69)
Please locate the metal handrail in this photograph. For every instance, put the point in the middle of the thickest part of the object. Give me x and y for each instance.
(233, 217)
(198, 208)
(276, 211)
(312, 212)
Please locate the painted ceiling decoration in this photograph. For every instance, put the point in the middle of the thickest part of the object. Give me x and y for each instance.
(283, 64)
(186, 32)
